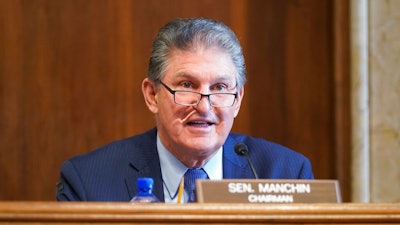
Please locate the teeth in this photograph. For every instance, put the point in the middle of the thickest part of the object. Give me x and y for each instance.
(199, 123)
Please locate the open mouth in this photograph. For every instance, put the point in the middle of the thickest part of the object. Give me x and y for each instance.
(200, 123)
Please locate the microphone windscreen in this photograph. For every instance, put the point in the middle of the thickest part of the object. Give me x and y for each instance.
(241, 149)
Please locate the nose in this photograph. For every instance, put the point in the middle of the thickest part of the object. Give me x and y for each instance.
(204, 104)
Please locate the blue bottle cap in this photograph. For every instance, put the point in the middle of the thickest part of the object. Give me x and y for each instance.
(144, 183)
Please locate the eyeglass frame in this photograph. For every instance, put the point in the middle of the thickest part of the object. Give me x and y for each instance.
(170, 90)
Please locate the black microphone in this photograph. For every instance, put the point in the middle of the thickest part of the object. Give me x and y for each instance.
(242, 150)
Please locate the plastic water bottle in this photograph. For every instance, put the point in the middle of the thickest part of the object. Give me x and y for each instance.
(145, 188)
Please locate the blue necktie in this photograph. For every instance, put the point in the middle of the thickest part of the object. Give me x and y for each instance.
(190, 178)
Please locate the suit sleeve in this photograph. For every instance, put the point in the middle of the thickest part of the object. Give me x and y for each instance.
(70, 187)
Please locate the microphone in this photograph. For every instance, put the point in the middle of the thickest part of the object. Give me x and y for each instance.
(242, 150)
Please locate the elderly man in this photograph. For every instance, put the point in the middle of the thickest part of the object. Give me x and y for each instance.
(194, 88)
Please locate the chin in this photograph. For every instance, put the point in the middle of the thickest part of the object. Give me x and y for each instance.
(202, 144)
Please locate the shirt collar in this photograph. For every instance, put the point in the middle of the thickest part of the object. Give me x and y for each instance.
(172, 171)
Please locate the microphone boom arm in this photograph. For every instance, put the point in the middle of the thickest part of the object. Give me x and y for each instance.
(251, 166)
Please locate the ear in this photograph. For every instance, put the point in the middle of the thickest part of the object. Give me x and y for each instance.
(239, 101)
(149, 90)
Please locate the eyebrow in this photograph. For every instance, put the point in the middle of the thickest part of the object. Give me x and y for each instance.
(220, 78)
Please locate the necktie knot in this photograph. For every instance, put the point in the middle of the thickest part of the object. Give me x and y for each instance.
(190, 178)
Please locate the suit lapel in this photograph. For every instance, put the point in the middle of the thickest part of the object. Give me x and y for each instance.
(144, 162)
(146, 172)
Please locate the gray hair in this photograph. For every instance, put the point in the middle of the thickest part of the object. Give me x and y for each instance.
(185, 34)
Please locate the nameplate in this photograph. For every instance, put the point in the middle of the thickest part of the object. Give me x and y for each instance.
(267, 191)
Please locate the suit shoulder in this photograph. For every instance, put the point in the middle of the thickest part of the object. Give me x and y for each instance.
(263, 146)
(273, 160)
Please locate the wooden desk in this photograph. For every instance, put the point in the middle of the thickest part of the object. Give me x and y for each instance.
(126, 213)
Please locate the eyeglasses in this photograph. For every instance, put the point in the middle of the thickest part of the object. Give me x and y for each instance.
(191, 98)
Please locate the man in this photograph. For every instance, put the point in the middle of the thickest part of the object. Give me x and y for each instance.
(194, 88)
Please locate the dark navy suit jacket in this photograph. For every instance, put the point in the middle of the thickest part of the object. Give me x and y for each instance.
(110, 172)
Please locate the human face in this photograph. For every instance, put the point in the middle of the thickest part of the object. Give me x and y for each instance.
(194, 133)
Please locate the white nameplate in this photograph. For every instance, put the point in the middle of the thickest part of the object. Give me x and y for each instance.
(268, 191)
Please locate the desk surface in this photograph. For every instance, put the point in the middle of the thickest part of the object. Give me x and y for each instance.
(160, 213)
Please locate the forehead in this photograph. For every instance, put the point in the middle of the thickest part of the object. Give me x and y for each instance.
(200, 63)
